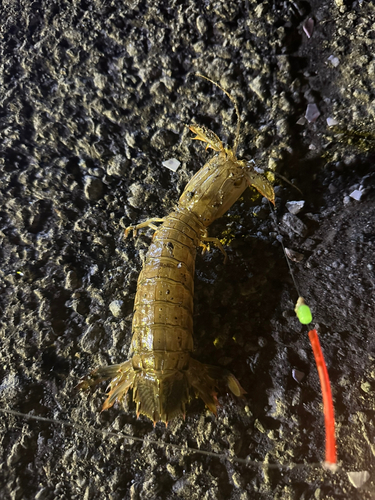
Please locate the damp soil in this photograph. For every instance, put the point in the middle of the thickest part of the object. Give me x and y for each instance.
(94, 96)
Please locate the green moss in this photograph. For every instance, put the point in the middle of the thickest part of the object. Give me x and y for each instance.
(362, 140)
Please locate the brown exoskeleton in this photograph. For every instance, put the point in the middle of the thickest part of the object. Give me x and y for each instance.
(160, 368)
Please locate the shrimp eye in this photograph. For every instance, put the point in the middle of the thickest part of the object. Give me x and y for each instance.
(237, 183)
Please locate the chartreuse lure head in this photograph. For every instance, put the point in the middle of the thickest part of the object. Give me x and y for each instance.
(303, 312)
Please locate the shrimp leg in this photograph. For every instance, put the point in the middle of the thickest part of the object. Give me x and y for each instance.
(147, 223)
(214, 241)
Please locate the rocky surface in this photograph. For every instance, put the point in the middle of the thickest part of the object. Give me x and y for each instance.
(94, 97)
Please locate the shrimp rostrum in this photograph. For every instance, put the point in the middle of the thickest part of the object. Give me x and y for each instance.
(160, 369)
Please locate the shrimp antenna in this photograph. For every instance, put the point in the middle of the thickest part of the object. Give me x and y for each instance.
(235, 145)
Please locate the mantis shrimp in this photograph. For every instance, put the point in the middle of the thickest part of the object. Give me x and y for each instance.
(160, 369)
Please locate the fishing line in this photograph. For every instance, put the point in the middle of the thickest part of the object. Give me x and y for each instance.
(304, 315)
(161, 444)
(280, 239)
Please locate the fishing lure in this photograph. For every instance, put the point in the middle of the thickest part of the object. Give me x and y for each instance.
(161, 370)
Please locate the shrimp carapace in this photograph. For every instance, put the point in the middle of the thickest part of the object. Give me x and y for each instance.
(161, 370)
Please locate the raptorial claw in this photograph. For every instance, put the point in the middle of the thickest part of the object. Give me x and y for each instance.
(262, 185)
(206, 135)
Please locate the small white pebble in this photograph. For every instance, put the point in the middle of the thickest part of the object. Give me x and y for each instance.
(358, 479)
(115, 307)
(172, 164)
(293, 255)
(297, 375)
(312, 113)
(295, 206)
(308, 27)
(356, 194)
(334, 61)
(331, 122)
(301, 121)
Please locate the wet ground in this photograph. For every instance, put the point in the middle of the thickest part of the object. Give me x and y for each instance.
(95, 95)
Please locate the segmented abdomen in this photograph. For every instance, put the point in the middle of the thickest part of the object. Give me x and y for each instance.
(161, 370)
(163, 310)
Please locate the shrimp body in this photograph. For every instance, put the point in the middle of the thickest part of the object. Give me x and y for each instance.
(161, 370)
(163, 319)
